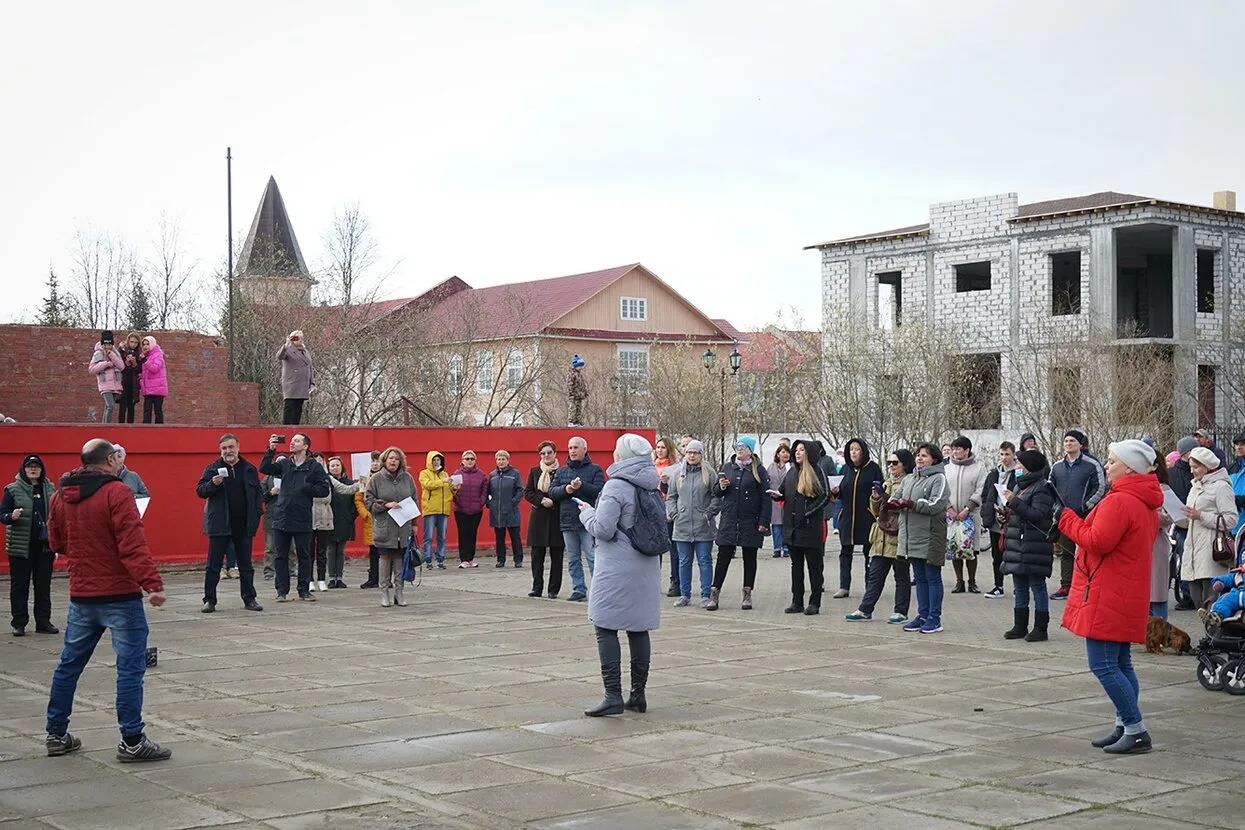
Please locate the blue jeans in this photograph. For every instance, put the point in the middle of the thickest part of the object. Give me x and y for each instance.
(231, 556)
(86, 623)
(1022, 585)
(929, 591)
(1112, 664)
(776, 530)
(438, 525)
(1158, 609)
(703, 553)
(834, 513)
(577, 542)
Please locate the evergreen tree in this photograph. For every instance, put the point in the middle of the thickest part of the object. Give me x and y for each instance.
(138, 308)
(56, 311)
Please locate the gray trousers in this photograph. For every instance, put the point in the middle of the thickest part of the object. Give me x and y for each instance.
(335, 551)
(270, 552)
(390, 568)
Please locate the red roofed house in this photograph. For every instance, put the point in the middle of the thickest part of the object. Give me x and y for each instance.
(499, 355)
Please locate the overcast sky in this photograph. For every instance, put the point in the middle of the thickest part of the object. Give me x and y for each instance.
(512, 140)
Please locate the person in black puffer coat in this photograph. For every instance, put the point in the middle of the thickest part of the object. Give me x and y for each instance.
(860, 473)
(1028, 553)
(804, 493)
(741, 489)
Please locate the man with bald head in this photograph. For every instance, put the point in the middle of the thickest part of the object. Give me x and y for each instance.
(93, 522)
(577, 481)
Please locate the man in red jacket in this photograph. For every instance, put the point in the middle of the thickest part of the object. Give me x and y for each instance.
(93, 521)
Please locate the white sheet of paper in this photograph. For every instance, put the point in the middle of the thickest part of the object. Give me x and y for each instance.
(456, 480)
(1173, 505)
(360, 464)
(276, 483)
(406, 510)
(142, 502)
(1002, 488)
(834, 481)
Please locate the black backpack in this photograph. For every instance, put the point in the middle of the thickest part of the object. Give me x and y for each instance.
(649, 533)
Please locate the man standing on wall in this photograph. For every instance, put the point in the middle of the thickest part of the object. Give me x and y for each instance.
(1081, 483)
(230, 484)
(93, 521)
(302, 479)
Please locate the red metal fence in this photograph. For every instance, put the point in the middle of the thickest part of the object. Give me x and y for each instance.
(171, 458)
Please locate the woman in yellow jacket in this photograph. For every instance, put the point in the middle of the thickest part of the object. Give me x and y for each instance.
(435, 502)
(373, 559)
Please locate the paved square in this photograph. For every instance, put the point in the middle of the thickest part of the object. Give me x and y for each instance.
(464, 710)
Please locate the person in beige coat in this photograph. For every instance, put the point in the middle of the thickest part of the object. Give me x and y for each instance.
(1210, 499)
(966, 478)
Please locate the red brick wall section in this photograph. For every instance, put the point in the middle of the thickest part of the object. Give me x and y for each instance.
(47, 378)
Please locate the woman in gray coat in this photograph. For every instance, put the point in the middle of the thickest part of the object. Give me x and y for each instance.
(298, 380)
(626, 584)
(689, 504)
(505, 494)
(385, 489)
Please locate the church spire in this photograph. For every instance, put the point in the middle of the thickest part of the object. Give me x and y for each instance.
(271, 267)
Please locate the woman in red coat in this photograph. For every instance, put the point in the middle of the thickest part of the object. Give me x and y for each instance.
(1109, 602)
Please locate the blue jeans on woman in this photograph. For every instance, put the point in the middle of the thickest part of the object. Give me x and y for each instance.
(1022, 585)
(929, 592)
(779, 547)
(437, 524)
(703, 553)
(86, 623)
(1158, 609)
(1112, 664)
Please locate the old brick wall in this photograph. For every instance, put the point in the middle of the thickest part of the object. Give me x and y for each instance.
(47, 378)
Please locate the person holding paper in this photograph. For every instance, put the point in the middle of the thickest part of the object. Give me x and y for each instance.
(435, 502)
(470, 496)
(391, 485)
(24, 512)
(1000, 480)
(302, 479)
(128, 477)
(230, 486)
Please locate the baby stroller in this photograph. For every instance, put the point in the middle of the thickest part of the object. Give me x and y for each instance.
(1221, 653)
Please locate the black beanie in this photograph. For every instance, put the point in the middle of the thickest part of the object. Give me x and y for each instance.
(1032, 460)
(962, 442)
(105, 338)
(1079, 436)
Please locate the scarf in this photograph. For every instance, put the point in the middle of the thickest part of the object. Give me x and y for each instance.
(547, 469)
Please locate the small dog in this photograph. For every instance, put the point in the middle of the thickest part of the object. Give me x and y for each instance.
(1160, 633)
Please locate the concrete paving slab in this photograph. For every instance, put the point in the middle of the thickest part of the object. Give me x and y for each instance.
(457, 776)
(101, 792)
(662, 778)
(873, 816)
(196, 779)
(1209, 805)
(378, 756)
(291, 797)
(167, 814)
(875, 783)
(762, 803)
(540, 799)
(1100, 787)
(989, 805)
(645, 816)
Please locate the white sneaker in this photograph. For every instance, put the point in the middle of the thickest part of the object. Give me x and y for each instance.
(311, 585)
(323, 586)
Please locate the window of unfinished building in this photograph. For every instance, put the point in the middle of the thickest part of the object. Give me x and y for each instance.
(1065, 284)
(1206, 280)
(972, 276)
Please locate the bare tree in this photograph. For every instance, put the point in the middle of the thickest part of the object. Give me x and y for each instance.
(171, 277)
(101, 266)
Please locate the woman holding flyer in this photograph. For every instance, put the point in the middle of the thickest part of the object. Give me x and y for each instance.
(391, 485)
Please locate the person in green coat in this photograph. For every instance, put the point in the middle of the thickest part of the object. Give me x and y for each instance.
(24, 509)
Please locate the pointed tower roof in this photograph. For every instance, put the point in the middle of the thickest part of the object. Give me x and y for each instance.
(271, 249)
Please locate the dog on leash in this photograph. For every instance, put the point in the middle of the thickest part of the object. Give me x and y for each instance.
(1161, 634)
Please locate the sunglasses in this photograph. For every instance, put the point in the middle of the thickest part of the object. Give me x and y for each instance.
(893, 462)
(469, 458)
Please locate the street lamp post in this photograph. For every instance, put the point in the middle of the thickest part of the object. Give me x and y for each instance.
(710, 360)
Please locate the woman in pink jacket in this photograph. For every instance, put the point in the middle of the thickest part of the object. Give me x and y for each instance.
(153, 382)
(107, 366)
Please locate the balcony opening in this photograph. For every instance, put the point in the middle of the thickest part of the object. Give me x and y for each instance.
(1143, 288)
(890, 299)
(1065, 283)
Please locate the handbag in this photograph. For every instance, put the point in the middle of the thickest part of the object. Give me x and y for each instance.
(1223, 549)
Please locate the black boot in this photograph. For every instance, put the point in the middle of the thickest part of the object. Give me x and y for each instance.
(1021, 628)
(612, 704)
(636, 701)
(1041, 619)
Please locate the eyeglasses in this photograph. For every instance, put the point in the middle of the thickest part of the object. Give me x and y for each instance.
(893, 462)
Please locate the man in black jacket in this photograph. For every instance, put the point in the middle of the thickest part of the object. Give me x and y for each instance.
(230, 484)
(302, 479)
(579, 479)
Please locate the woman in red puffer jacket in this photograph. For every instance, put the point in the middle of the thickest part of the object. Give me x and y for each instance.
(1109, 602)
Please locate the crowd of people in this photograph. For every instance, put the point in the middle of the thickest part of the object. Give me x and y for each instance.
(931, 505)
